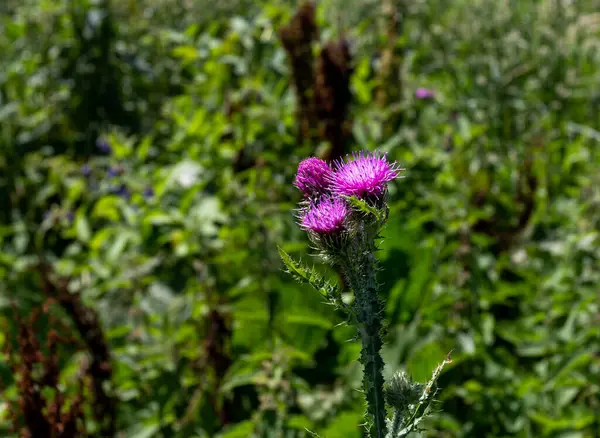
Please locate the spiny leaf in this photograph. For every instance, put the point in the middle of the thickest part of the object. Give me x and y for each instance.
(304, 274)
(366, 208)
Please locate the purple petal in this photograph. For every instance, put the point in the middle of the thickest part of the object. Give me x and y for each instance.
(86, 169)
(103, 145)
(148, 193)
(424, 93)
(326, 216)
(367, 174)
(313, 177)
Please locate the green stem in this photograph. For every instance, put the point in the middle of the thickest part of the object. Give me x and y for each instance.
(396, 424)
(361, 276)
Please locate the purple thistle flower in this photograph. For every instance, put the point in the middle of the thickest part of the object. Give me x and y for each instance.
(313, 177)
(424, 93)
(103, 145)
(326, 216)
(367, 174)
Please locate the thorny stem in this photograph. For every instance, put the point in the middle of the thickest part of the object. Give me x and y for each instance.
(360, 270)
(396, 424)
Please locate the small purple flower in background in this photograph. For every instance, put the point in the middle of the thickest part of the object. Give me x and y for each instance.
(424, 93)
(148, 193)
(103, 145)
(122, 191)
(70, 216)
(367, 174)
(326, 216)
(47, 214)
(313, 177)
(112, 172)
(86, 170)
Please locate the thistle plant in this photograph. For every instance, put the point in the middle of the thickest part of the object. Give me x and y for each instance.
(343, 211)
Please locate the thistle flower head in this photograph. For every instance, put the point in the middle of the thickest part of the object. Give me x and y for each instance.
(367, 174)
(326, 216)
(313, 177)
(403, 391)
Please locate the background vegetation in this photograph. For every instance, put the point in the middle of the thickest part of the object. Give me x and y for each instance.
(147, 153)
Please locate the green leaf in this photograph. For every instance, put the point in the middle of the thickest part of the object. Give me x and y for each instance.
(568, 364)
(108, 208)
(82, 226)
(244, 429)
(366, 208)
(309, 320)
(118, 246)
(346, 424)
(310, 276)
(299, 422)
(186, 53)
(143, 431)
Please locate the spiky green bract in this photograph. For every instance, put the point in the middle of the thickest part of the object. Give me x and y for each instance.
(359, 265)
(329, 245)
(368, 215)
(401, 393)
(417, 412)
(375, 208)
(307, 275)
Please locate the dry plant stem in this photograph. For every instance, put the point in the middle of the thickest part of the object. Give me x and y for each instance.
(333, 96)
(361, 276)
(297, 38)
(390, 85)
(36, 372)
(88, 326)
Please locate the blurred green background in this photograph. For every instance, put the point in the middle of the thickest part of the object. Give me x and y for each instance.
(147, 154)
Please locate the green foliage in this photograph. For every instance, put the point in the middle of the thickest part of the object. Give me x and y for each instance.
(490, 250)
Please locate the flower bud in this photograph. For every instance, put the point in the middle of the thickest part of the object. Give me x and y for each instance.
(402, 391)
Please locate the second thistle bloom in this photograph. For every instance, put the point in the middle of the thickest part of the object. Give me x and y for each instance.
(424, 93)
(313, 177)
(367, 174)
(325, 217)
